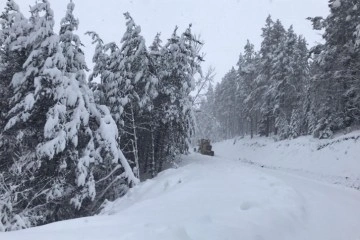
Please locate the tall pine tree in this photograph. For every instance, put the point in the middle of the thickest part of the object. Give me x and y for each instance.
(68, 154)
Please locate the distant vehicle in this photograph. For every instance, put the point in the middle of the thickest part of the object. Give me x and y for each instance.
(205, 148)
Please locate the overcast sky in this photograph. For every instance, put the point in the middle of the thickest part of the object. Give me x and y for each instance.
(224, 25)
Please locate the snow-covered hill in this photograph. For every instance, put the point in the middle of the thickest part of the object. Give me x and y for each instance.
(273, 197)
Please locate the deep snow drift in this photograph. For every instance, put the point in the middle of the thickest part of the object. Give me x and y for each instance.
(223, 198)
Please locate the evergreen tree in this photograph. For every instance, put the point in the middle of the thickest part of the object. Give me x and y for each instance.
(180, 61)
(290, 74)
(83, 112)
(229, 114)
(247, 69)
(207, 124)
(268, 92)
(151, 163)
(337, 79)
(295, 124)
(14, 26)
(128, 85)
(68, 152)
(155, 53)
(273, 36)
(139, 84)
(101, 61)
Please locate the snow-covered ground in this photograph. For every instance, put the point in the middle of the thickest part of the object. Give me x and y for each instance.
(335, 161)
(272, 193)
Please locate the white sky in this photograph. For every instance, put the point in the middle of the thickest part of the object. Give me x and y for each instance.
(224, 25)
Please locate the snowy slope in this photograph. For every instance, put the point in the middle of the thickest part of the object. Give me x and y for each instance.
(335, 161)
(223, 198)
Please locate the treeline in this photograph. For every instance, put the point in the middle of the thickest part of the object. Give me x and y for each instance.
(67, 145)
(286, 90)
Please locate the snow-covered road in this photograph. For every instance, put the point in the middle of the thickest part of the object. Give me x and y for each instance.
(332, 211)
(215, 198)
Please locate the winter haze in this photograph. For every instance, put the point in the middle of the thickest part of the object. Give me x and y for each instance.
(214, 20)
(154, 150)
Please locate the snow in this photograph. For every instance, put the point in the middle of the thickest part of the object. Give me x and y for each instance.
(29, 102)
(334, 160)
(336, 4)
(223, 198)
(52, 147)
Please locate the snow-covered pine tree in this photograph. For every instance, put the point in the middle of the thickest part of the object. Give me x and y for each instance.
(269, 87)
(180, 62)
(280, 79)
(289, 76)
(218, 108)
(337, 81)
(14, 27)
(101, 60)
(92, 121)
(69, 152)
(139, 84)
(295, 124)
(247, 71)
(155, 53)
(129, 85)
(263, 80)
(228, 105)
(206, 122)
(150, 162)
(311, 101)
(273, 35)
(34, 93)
(301, 73)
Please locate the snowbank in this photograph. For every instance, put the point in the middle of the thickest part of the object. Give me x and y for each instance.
(266, 196)
(335, 160)
(206, 199)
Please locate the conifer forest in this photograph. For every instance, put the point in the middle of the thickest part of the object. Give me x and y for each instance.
(74, 137)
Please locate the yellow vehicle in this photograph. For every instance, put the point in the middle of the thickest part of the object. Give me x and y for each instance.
(205, 148)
